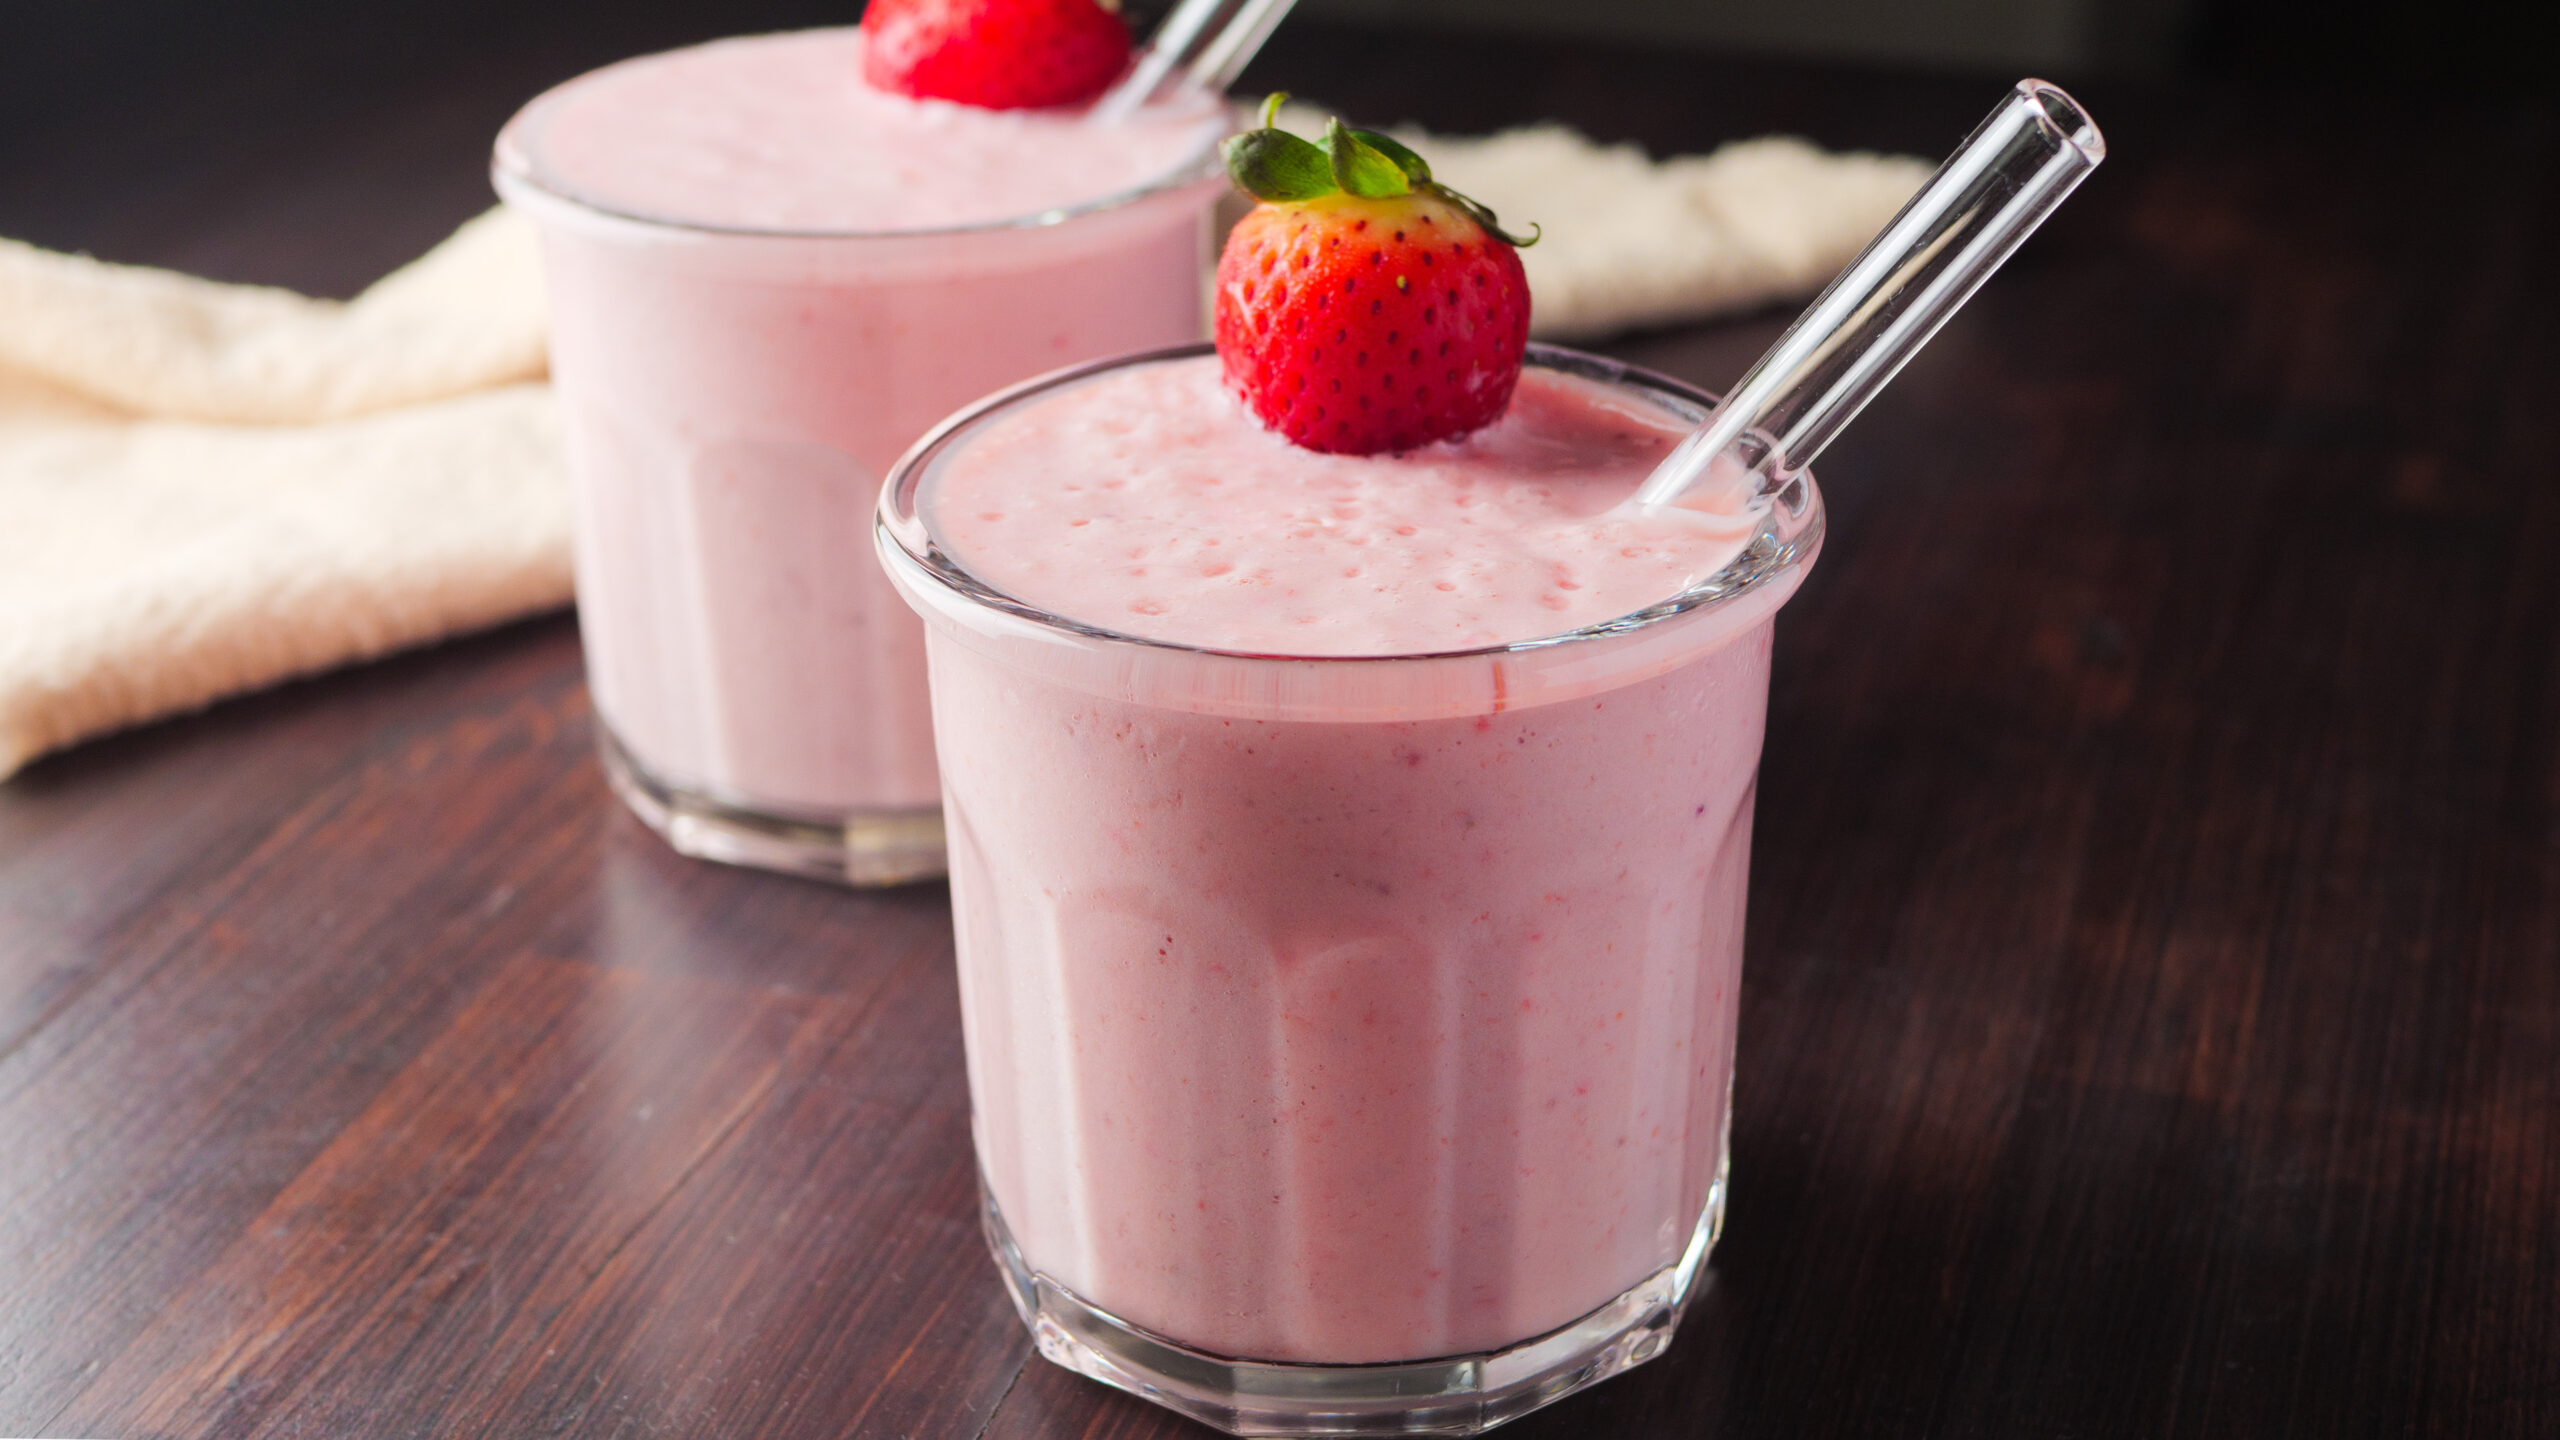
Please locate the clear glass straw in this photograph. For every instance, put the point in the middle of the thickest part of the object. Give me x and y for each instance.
(1919, 270)
(1235, 46)
(1190, 39)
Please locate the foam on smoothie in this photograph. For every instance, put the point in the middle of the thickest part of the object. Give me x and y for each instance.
(780, 132)
(1163, 509)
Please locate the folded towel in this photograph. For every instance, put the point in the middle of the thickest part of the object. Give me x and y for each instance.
(466, 317)
(212, 488)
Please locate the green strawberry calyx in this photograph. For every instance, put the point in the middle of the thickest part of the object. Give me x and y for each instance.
(1271, 164)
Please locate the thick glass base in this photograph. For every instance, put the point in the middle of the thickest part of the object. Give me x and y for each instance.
(861, 847)
(1452, 1395)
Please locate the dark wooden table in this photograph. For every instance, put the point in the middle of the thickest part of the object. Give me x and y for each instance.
(2153, 1010)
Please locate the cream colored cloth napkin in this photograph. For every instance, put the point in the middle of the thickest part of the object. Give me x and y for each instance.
(205, 489)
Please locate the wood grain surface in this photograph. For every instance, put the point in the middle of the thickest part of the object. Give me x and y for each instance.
(2152, 1015)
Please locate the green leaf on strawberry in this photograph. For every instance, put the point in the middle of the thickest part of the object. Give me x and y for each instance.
(1276, 165)
(1362, 169)
(1415, 168)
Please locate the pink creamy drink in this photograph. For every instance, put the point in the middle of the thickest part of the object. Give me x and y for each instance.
(767, 280)
(1344, 1010)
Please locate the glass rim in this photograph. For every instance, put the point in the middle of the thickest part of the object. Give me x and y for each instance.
(512, 170)
(1790, 530)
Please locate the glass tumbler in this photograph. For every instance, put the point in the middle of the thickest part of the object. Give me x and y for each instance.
(1350, 1040)
(731, 400)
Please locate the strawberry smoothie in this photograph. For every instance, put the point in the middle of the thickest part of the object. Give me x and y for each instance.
(768, 279)
(1327, 1009)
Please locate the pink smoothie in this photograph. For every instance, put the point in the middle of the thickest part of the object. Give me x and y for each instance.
(1343, 1011)
(765, 285)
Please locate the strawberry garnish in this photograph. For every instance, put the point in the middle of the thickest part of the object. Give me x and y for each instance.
(1362, 306)
(998, 54)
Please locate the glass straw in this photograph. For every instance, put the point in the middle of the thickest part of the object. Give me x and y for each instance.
(1213, 54)
(1973, 214)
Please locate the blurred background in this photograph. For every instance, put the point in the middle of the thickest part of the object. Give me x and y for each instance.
(223, 138)
(2064, 37)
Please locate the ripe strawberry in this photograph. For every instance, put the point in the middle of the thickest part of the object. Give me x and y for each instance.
(998, 54)
(1363, 307)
